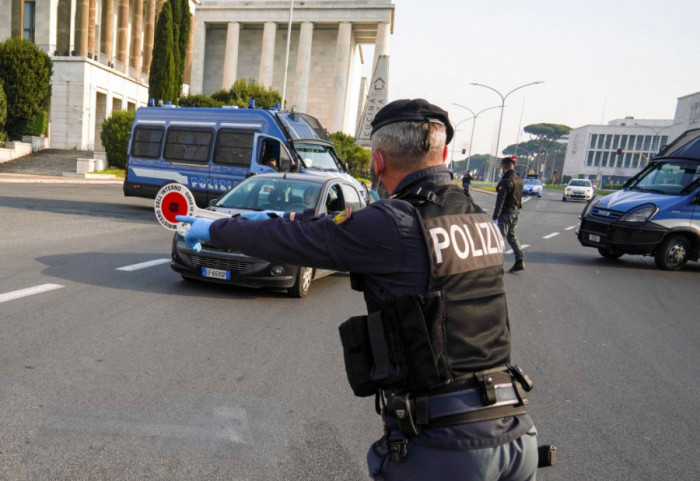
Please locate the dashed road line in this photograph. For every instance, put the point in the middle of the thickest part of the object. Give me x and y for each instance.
(571, 227)
(549, 236)
(29, 291)
(523, 247)
(143, 265)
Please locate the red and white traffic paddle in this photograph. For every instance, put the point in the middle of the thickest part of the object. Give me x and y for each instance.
(176, 199)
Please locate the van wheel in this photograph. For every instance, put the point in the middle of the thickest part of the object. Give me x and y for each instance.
(303, 283)
(672, 253)
(609, 254)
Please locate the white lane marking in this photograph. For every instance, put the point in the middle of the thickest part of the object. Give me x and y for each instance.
(523, 247)
(143, 265)
(549, 236)
(571, 227)
(29, 291)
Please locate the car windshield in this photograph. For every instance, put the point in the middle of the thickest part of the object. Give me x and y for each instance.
(318, 157)
(532, 182)
(673, 177)
(580, 183)
(274, 193)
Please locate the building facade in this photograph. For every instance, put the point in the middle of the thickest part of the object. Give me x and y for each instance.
(101, 53)
(323, 70)
(615, 152)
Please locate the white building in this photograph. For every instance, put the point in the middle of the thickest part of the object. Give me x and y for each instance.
(614, 152)
(101, 52)
(248, 39)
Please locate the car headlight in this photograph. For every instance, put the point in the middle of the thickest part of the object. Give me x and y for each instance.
(639, 214)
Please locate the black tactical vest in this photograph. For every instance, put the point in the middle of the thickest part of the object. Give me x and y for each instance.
(460, 325)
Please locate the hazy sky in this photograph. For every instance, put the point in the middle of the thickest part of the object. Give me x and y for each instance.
(599, 59)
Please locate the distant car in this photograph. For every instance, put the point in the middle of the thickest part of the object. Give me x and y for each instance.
(286, 192)
(578, 189)
(532, 186)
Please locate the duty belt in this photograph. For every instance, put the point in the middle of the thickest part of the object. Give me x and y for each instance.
(499, 394)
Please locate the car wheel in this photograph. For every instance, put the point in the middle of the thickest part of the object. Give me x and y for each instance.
(563, 198)
(303, 282)
(609, 254)
(673, 253)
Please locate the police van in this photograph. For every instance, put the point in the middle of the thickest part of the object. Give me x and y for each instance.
(656, 213)
(210, 150)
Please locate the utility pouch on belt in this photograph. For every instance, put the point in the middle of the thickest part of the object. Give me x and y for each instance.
(358, 355)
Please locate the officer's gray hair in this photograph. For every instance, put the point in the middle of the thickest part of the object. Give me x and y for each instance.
(404, 142)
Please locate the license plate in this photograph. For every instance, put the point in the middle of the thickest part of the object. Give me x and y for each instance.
(593, 238)
(216, 273)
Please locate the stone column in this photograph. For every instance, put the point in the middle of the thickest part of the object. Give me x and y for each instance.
(123, 33)
(301, 84)
(107, 30)
(231, 55)
(17, 22)
(267, 56)
(136, 35)
(92, 14)
(340, 76)
(187, 74)
(197, 76)
(381, 47)
(149, 14)
(81, 27)
(63, 27)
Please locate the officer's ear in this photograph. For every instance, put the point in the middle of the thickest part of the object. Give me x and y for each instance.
(377, 163)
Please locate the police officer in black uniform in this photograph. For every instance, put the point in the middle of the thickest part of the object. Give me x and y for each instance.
(509, 201)
(466, 182)
(434, 348)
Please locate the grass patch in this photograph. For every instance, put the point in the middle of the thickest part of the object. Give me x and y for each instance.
(119, 173)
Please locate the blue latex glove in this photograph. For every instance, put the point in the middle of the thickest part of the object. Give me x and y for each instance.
(264, 215)
(495, 221)
(198, 232)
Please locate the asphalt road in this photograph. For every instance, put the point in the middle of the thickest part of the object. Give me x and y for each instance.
(114, 368)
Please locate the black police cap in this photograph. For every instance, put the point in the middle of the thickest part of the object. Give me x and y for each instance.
(412, 110)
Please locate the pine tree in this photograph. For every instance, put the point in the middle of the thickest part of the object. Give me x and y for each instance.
(162, 78)
(176, 6)
(184, 40)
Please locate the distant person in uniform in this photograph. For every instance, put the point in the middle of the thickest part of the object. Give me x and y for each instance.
(508, 204)
(270, 160)
(434, 348)
(466, 182)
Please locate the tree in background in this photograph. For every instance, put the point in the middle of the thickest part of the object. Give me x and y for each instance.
(25, 72)
(546, 136)
(183, 38)
(198, 100)
(3, 112)
(162, 78)
(115, 136)
(355, 156)
(242, 91)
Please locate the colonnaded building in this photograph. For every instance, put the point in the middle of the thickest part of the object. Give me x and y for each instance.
(101, 52)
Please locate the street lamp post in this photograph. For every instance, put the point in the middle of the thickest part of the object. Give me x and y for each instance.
(503, 104)
(474, 116)
(454, 143)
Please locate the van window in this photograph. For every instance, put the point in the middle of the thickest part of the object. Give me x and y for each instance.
(318, 157)
(187, 145)
(147, 142)
(234, 148)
